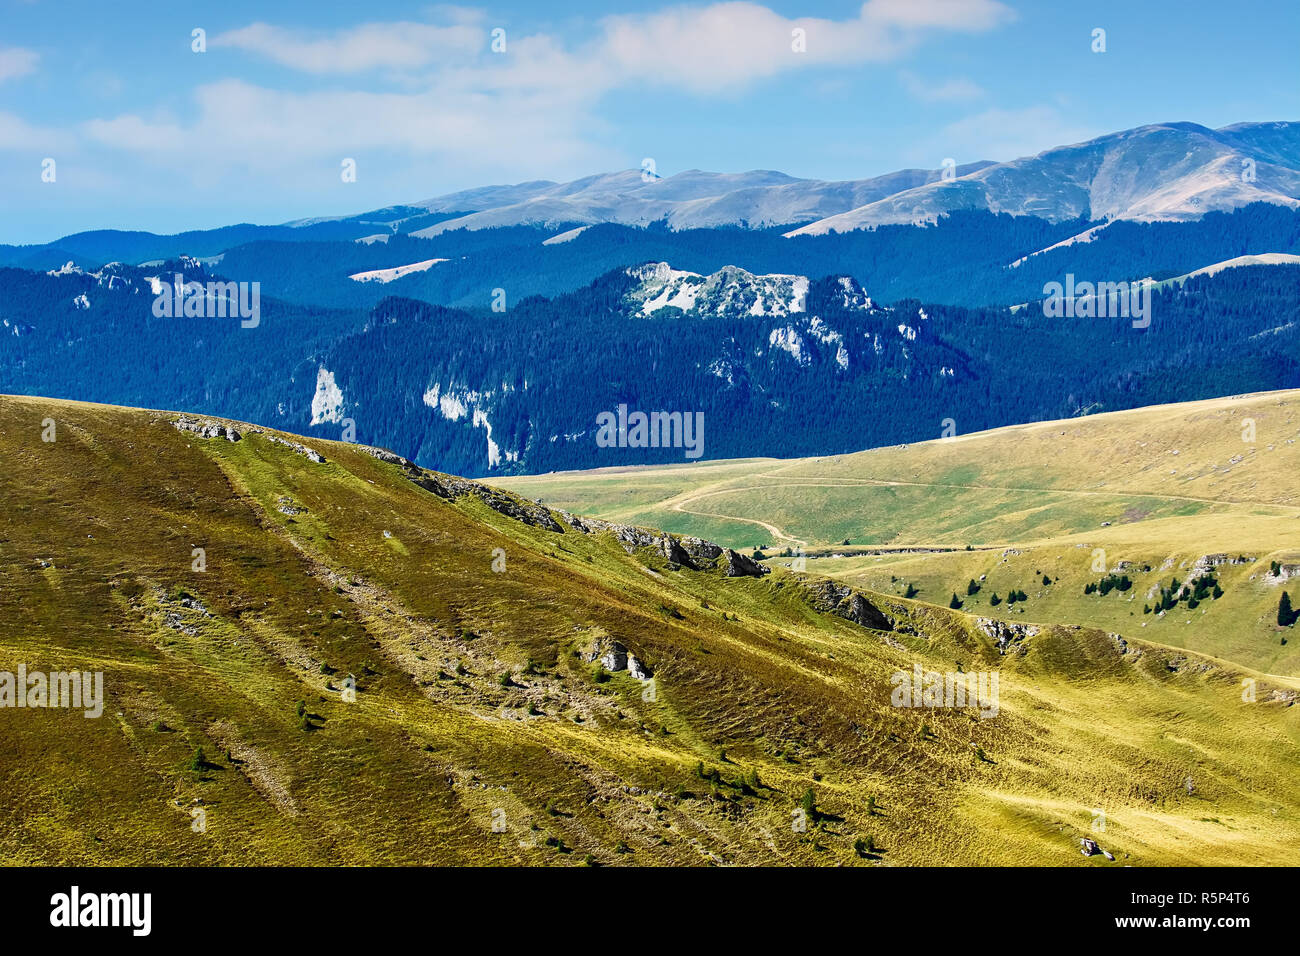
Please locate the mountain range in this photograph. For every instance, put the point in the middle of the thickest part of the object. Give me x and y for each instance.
(486, 331)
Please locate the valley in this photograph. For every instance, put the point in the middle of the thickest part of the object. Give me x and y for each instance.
(1154, 492)
(375, 663)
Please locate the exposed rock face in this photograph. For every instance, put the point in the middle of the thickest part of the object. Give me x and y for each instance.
(1004, 633)
(737, 565)
(637, 669)
(615, 657)
(840, 599)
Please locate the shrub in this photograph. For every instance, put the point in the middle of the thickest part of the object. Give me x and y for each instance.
(808, 803)
(865, 846)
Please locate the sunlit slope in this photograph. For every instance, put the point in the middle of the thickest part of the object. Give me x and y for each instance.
(1154, 493)
(480, 733)
(1222, 456)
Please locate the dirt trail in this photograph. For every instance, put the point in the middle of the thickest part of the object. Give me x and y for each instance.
(680, 502)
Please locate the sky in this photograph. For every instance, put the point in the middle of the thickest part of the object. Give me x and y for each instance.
(145, 131)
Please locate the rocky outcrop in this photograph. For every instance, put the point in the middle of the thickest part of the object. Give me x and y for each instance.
(451, 488)
(215, 428)
(310, 454)
(614, 657)
(1285, 572)
(1090, 848)
(207, 428)
(637, 669)
(841, 600)
(1005, 634)
(694, 553)
(736, 565)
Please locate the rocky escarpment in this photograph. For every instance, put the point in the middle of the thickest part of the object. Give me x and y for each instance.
(451, 487)
(694, 553)
(830, 597)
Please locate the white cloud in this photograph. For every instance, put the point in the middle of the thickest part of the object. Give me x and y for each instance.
(703, 48)
(18, 134)
(729, 45)
(15, 62)
(966, 15)
(1002, 134)
(441, 98)
(399, 46)
(940, 91)
(243, 126)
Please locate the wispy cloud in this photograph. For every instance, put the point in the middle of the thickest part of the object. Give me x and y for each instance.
(16, 61)
(438, 92)
(930, 90)
(1005, 134)
(370, 46)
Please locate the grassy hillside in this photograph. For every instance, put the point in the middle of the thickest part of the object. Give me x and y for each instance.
(480, 732)
(1156, 488)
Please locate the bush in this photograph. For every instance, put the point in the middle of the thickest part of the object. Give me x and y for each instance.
(865, 846)
(808, 803)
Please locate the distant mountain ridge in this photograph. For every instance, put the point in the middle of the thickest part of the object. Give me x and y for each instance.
(1166, 171)
(779, 364)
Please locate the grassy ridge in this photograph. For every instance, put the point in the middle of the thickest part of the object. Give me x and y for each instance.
(475, 705)
(1159, 487)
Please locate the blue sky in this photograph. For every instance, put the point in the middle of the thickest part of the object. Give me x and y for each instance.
(147, 134)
